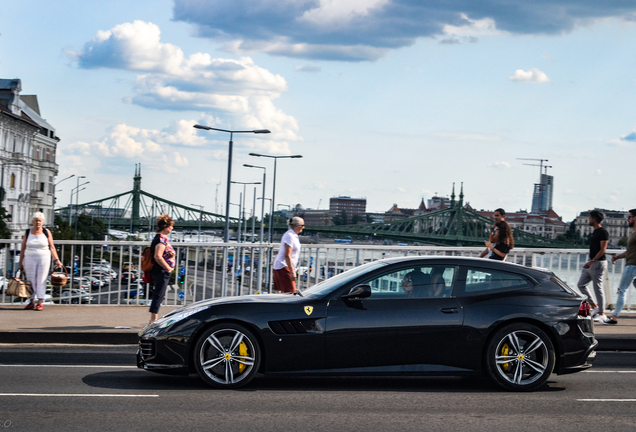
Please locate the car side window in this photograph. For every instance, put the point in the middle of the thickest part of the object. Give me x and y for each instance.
(485, 280)
(414, 282)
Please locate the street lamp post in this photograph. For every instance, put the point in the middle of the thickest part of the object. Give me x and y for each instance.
(55, 191)
(242, 215)
(263, 203)
(271, 215)
(226, 235)
(200, 217)
(70, 203)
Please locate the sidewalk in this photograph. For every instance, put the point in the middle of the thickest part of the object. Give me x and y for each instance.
(120, 325)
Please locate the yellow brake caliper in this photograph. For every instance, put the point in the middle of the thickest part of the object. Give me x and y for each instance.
(243, 353)
(504, 352)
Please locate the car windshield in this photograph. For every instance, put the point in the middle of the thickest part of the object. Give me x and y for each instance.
(325, 287)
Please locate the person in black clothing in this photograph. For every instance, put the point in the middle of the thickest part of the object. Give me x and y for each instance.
(594, 270)
(505, 242)
(498, 215)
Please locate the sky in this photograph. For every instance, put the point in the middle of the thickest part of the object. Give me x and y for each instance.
(388, 100)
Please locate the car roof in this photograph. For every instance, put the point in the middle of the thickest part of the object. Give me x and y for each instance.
(481, 262)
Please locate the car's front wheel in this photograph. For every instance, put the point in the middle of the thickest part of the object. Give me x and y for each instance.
(520, 357)
(227, 356)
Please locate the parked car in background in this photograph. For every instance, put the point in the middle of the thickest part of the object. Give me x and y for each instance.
(408, 315)
(91, 282)
(128, 276)
(73, 296)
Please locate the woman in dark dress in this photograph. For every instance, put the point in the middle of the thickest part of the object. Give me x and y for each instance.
(504, 244)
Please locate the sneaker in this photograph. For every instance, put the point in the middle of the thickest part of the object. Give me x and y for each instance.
(594, 312)
(39, 307)
(600, 318)
(29, 306)
(610, 321)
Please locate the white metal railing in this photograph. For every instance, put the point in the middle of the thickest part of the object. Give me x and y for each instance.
(201, 275)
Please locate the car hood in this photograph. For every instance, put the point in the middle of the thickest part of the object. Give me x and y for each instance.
(264, 298)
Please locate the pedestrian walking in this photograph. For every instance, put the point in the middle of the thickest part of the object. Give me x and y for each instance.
(498, 215)
(629, 273)
(35, 259)
(288, 256)
(505, 242)
(595, 268)
(163, 257)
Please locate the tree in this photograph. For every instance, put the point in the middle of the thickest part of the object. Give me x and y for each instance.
(5, 232)
(341, 219)
(88, 228)
(356, 218)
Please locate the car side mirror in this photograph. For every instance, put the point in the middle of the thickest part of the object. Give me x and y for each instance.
(358, 292)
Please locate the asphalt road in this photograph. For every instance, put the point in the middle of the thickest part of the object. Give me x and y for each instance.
(62, 388)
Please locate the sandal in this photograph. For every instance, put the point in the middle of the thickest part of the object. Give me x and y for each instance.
(39, 307)
(30, 306)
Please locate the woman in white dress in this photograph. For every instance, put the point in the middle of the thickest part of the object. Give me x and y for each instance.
(35, 259)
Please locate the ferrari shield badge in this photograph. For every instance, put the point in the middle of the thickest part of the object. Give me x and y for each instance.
(309, 310)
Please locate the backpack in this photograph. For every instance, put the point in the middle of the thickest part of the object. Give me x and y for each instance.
(146, 260)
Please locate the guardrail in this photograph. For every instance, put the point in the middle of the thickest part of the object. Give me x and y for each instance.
(108, 273)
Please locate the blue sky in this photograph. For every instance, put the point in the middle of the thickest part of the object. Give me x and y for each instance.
(391, 100)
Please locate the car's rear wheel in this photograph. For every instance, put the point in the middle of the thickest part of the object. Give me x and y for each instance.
(520, 357)
(227, 356)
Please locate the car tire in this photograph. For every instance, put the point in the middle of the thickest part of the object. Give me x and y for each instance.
(227, 356)
(520, 357)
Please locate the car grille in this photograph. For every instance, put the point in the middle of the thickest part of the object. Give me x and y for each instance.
(147, 349)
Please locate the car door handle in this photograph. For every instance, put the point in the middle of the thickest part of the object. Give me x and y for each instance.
(449, 310)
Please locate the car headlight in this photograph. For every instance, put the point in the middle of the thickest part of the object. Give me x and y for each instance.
(179, 316)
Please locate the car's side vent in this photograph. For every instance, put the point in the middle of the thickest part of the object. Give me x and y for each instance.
(287, 327)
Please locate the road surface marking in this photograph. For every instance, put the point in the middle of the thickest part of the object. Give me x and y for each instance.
(610, 371)
(606, 400)
(75, 395)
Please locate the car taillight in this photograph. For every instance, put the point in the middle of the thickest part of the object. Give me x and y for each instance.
(584, 310)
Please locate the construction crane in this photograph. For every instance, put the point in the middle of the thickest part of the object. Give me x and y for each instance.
(319, 202)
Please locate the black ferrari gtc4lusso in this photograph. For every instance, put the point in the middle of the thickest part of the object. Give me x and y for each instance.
(413, 315)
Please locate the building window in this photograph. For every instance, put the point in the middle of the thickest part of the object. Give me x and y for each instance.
(12, 181)
(41, 186)
(48, 155)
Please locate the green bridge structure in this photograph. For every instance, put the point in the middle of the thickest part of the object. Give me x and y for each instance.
(136, 211)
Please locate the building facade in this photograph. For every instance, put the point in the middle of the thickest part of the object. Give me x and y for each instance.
(28, 145)
(615, 223)
(350, 206)
(548, 224)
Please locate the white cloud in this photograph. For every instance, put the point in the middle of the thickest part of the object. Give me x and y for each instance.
(472, 27)
(238, 89)
(332, 13)
(533, 75)
(599, 172)
(499, 165)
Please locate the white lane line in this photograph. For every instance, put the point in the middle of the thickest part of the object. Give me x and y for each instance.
(606, 400)
(610, 371)
(76, 395)
(71, 366)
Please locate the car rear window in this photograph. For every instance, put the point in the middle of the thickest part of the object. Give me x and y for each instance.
(486, 280)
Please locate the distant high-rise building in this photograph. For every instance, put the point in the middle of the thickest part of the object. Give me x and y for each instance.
(351, 207)
(542, 196)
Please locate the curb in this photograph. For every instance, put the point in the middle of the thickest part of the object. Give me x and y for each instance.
(94, 338)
